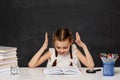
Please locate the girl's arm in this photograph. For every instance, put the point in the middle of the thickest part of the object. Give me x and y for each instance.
(37, 59)
(87, 60)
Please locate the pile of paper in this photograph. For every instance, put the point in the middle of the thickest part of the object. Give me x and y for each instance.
(8, 58)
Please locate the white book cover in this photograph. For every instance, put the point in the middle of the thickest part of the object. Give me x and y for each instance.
(7, 61)
(68, 70)
(9, 53)
(8, 65)
(6, 57)
(5, 49)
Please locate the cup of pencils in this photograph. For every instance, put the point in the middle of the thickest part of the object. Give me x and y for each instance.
(108, 63)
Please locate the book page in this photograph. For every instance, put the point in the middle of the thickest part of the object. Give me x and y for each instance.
(53, 70)
(71, 70)
(62, 70)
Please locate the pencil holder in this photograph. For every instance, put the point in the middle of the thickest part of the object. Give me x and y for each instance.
(108, 69)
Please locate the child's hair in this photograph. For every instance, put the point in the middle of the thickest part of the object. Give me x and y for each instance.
(62, 34)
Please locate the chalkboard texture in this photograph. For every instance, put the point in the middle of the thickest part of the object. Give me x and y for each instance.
(23, 24)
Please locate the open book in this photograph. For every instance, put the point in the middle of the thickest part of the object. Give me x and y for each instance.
(68, 70)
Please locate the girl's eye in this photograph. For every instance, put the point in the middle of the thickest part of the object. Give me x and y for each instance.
(65, 47)
(58, 47)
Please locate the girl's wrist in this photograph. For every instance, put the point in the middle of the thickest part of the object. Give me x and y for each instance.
(84, 46)
(43, 48)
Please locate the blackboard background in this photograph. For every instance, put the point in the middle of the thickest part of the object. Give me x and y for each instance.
(24, 22)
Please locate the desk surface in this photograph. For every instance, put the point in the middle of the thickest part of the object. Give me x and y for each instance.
(26, 73)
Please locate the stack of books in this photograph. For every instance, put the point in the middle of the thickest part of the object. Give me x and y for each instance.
(8, 58)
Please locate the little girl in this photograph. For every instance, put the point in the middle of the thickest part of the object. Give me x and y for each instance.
(65, 52)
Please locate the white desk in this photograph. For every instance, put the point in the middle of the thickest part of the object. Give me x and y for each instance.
(26, 73)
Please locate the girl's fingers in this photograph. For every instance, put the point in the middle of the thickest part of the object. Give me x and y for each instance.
(77, 36)
(45, 44)
(46, 36)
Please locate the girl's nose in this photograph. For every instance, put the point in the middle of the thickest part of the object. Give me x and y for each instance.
(61, 50)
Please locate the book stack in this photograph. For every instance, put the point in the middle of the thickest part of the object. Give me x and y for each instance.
(8, 58)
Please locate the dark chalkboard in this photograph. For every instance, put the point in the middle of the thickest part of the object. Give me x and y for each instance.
(24, 23)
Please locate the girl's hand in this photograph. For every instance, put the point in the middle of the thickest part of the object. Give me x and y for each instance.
(78, 40)
(45, 44)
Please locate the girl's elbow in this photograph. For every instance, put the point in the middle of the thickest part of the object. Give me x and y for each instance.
(92, 65)
(30, 65)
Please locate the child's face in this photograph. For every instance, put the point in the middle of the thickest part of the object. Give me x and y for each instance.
(62, 47)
